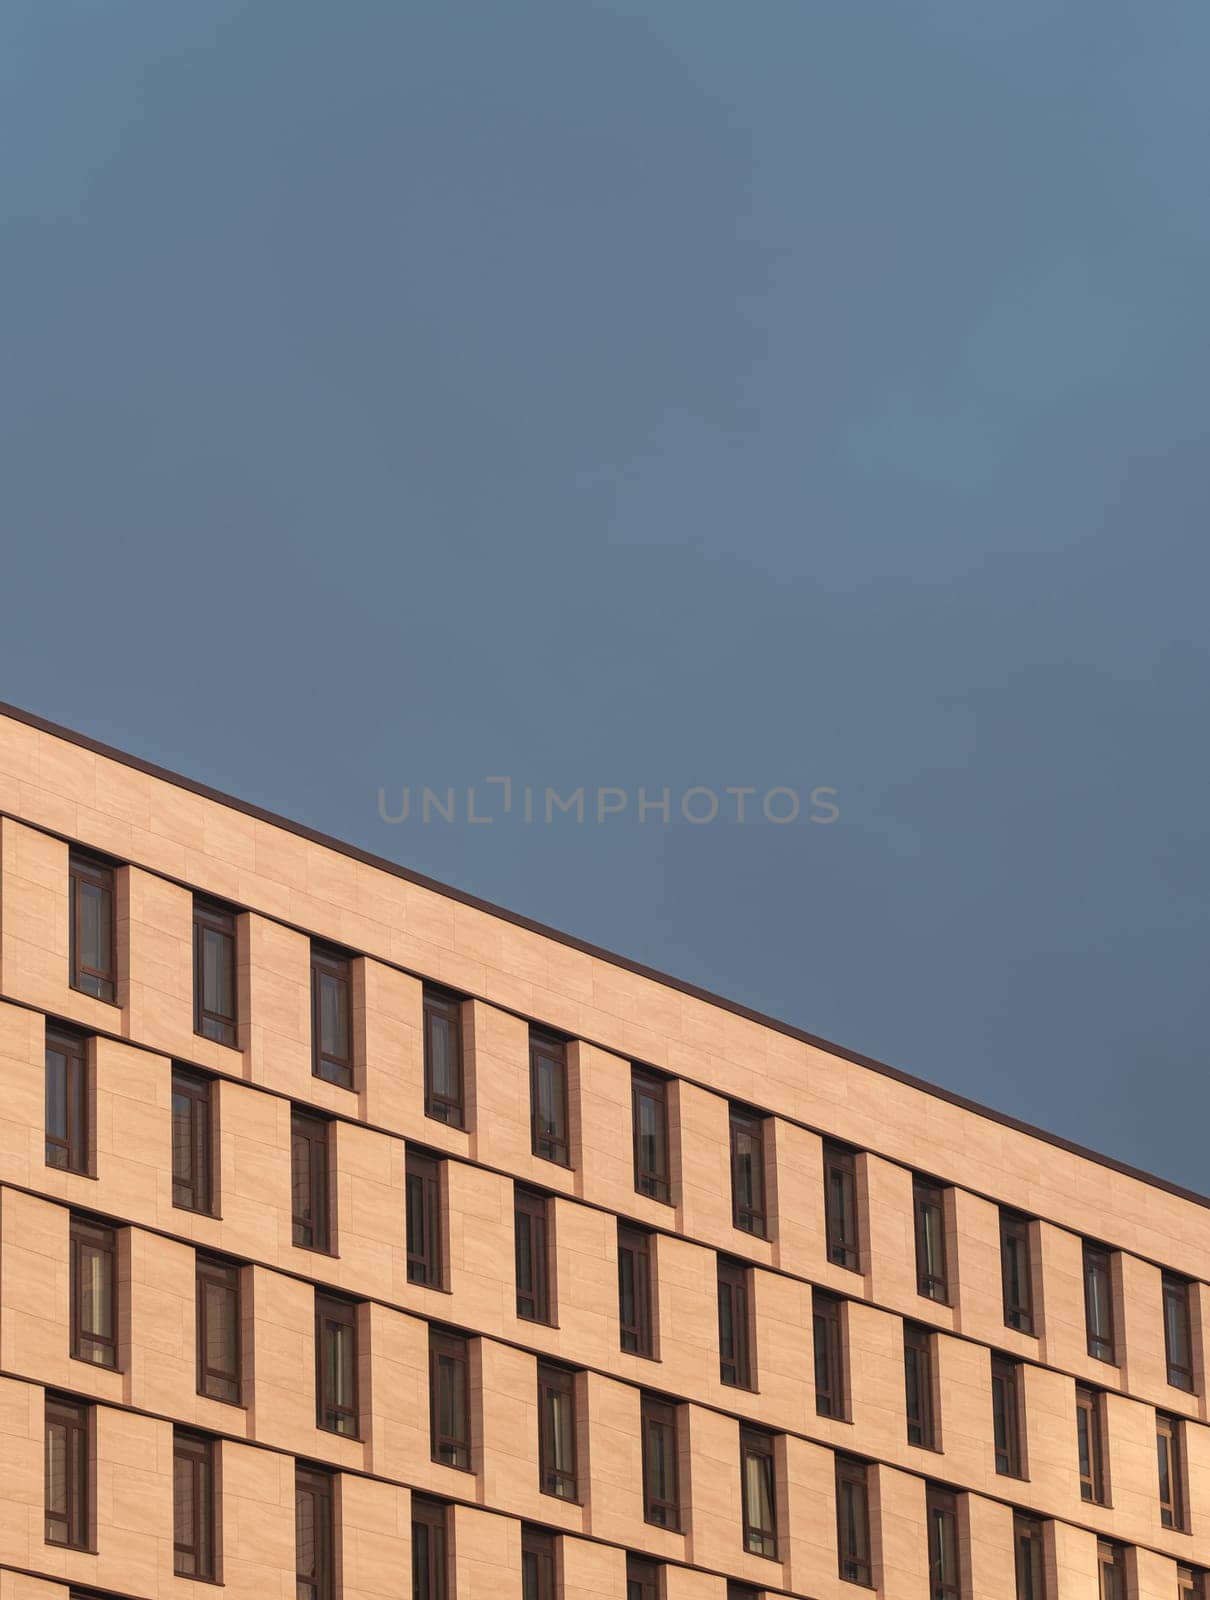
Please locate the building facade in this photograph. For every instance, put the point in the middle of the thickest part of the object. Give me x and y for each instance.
(360, 1239)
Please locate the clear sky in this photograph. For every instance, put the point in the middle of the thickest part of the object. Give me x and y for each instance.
(611, 393)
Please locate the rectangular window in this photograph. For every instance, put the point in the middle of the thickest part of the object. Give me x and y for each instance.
(423, 1182)
(68, 1424)
(1178, 1346)
(192, 1505)
(309, 1180)
(336, 1365)
(314, 1534)
(549, 1134)
(1089, 1446)
(214, 990)
(557, 1431)
(634, 1290)
(748, 1171)
(1016, 1277)
(91, 939)
(661, 1492)
(1030, 1564)
(829, 1355)
(1098, 1303)
(1171, 1475)
(1111, 1569)
(1190, 1583)
(537, 1563)
(192, 1169)
(942, 1513)
(918, 1385)
(218, 1330)
(649, 1117)
(932, 1279)
(642, 1579)
(840, 1204)
(443, 1093)
(531, 1245)
(735, 1363)
(449, 1399)
(853, 1520)
(430, 1559)
(759, 1490)
(94, 1322)
(1006, 1416)
(331, 1016)
(66, 1101)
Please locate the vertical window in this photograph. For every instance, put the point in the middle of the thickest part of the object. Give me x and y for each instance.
(1029, 1562)
(537, 1563)
(1089, 1445)
(1006, 1416)
(661, 1492)
(557, 1431)
(214, 1014)
(423, 1182)
(66, 1102)
(449, 1399)
(918, 1385)
(932, 1279)
(1171, 1477)
(331, 1016)
(735, 1362)
(649, 1117)
(336, 1365)
(443, 1093)
(531, 1247)
(1178, 1346)
(548, 1098)
(218, 1334)
(1190, 1583)
(192, 1189)
(67, 1472)
(942, 1514)
(634, 1290)
(642, 1579)
(94, 1331)
(748, 1171)
(853, 1520)
(314, 1534)
(1016, 1277)
(759, 1489)
(192, 1505)
(840, 1204)
(1098, 1303)
(91, 926)
(829, 1355)
(741, 1591)
(309, 1183)
(430, 1561)
(1111, 1569)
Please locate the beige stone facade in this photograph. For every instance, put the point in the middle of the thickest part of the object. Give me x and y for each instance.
(167, 841)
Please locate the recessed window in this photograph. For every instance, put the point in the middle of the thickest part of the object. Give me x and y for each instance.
(336, 1365)
(661, 1492)
(649, 1115)
(1016, 1277)
(748, 1171)
(918, 1385)
(67, 1486)
(1171, 1471)
(829, 1355)
(1111, 1569)
(214, 987)
(423, 1183)
(331, 1016)
(1029, 1558)
(430, 1548)
(557, 1431)
(1098, 1303)
(537, 1563)
(642, 1579)
(66, 1101)
(192, 1151)
(532, 1257)
(314, 1534)
(550, 1136)
(1090, 1448)
(734, 1324)
(1178, 1347)
(449, 1398)
(218, 1329)
(91, 939)
(853, 1520)
(1006, 1416)
(840, 1204)
(945, 1582)
(193, 1505)
(932, 1277)
(94, 1322)
(310, 1191)
(1190, 1583)
(759, 1492)
(443, 1089)
(634, 1290)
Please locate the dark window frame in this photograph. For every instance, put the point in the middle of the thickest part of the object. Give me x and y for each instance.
(642, 1578)
(1090, 1444)
(449, 1353)
(193, 1457)
(72, 1145)
(1016, 1271)
(635, 1320)
(194, 1189)
(749, 1197)
(928, 1212)
(1178, 1332)
(71, 1527)
(430, 1548)
(757, 1445)
(919, 1402)
(311, 1180)
(557, 1383)
(553, 1142)
(538, 1580)
(735, 1324)
(1174, 1503)
(1006, 1416)
(1111, 1564)
(842, 1226)
(652, 1177)
(89, 1239)
(827, 1344)
(422, 1206)
(210, 918)
(334, 1315)
(315, 1486)
(1029, 1557)
(1190, 1582)
(215, 1382)
(658, 1426)
(87, 871)
(441, 1007)
(334, 966)
(944, 1549)
(853, 1521)
(531, 1254)
(1097, 1265)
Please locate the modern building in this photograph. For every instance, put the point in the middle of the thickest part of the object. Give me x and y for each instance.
(358, 1236)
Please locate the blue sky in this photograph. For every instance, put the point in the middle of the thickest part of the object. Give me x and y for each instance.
(661, 394)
